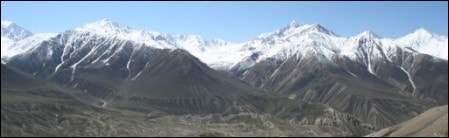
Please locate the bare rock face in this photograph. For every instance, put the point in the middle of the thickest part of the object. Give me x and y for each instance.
(67, 111)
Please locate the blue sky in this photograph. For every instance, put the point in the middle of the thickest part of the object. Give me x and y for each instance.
(233, 21)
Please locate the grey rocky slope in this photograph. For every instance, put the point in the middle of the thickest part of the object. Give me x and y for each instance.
(35, 107)
(432, 123)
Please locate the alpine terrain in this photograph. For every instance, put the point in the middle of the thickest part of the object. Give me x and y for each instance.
(107, 79)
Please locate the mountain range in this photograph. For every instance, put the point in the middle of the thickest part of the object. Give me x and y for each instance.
(300, 75)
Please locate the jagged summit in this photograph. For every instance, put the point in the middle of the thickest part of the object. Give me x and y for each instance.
(105, 27)
(310, 28)
(368, 34)
(13, 31)
(108, 22)
(293, 24)
(426, 42)
(294, 29)
(319, 28)
(420, 33)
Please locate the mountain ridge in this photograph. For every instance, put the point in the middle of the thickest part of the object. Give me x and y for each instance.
(196, 45)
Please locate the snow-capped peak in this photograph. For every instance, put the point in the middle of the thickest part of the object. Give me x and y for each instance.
(422, 31)
(307, 29)
(104, 27)
(368, 34)
(318, 28)
(293, 24)
(425, 42)
(293, 29)
(6, 24)
(13, 31)
(420, 34)
(112, 30)
(110, 24)
(24, 45)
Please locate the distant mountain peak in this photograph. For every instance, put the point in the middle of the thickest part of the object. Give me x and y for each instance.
(6, 23)
(109, 23)
(317, 27)
(105, 20)
(421, 33)
(104, 26)
(302, 29)
(293, 24)
(13, 31)
(368, 34)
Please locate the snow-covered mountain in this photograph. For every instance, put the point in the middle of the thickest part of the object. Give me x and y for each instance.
(170, 80)
(213, 52)
(13, 31)
(92, 43)
(24, 45)
(302, 40)
(426, 42)
(371, 52)
(108, 28)
(363, 75)
(17, 40)
(103, 41)
(316, 65)
(292, 40)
